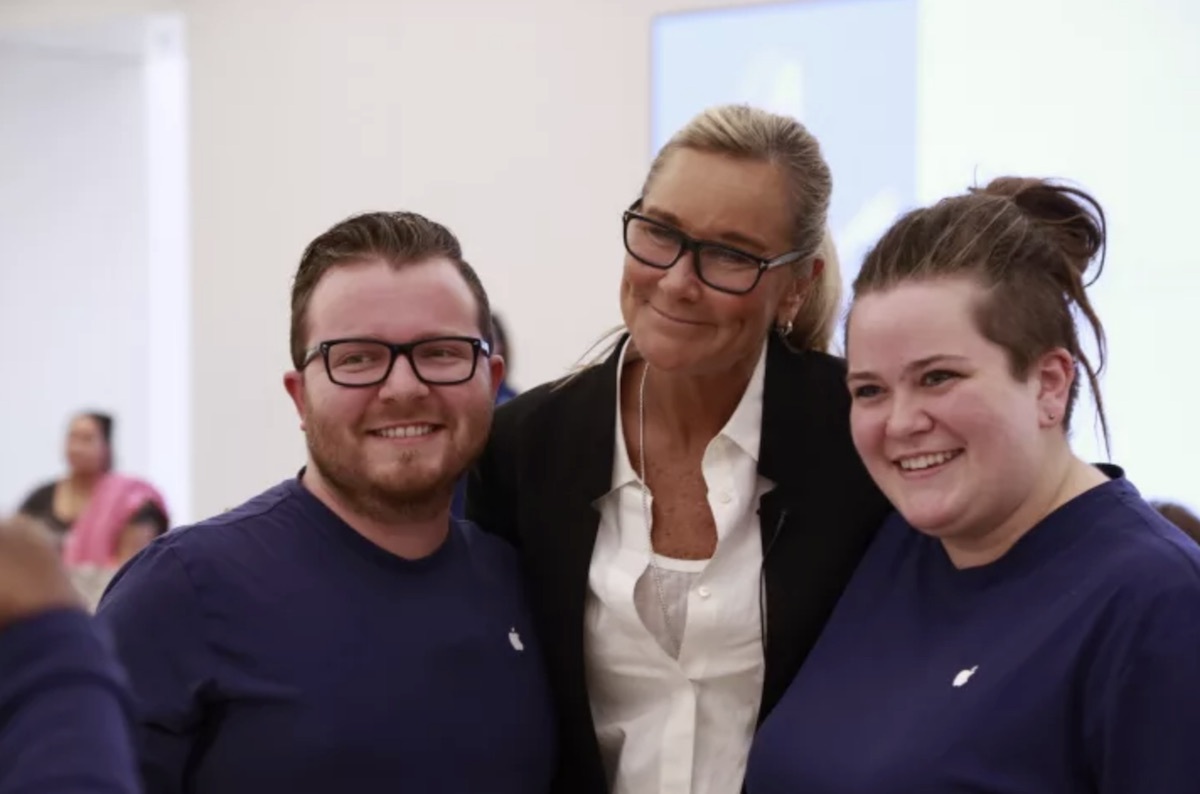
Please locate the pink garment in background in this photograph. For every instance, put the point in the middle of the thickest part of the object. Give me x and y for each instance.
(93, 537)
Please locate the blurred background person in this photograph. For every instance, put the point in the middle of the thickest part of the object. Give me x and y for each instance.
(1181, 517)
(458, 506)
(504, 350)
(89, 456)
(95, 551)
(64, 711)
(101, 518)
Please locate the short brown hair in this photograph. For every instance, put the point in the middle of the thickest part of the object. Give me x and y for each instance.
(748, 133)
(398, 238)
(1030, 243)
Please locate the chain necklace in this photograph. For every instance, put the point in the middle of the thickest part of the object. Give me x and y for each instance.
(655, 571)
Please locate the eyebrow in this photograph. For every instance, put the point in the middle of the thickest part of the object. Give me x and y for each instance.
(727, 238)
(921, 363)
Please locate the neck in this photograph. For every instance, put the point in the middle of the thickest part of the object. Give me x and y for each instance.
(691, 409)
(1064, 479)
(410, 533)
(83, 483)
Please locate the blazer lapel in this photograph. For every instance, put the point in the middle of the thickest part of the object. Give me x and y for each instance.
(575, 465)
(803, 448)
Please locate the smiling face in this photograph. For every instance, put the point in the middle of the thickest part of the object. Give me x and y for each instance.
(394, 449)
(952, 438)
(676, 321)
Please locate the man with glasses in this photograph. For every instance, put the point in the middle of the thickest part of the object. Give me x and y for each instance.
(340, 632)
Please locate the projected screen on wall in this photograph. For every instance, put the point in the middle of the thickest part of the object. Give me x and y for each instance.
(847, 70)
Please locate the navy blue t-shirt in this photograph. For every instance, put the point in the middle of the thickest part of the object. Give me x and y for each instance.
(64, 709)
(275, 649)
(1069, 665)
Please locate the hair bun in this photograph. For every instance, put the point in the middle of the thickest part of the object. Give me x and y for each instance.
(1072, 218)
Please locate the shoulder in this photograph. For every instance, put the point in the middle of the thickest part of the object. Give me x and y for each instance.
(1148, 554)
(227, 534)
(41, 496)
(549, 396)
(534, 415)
(1138, 572)
(804, 393)
(821, 376)
(194, 559)
(1147, 636)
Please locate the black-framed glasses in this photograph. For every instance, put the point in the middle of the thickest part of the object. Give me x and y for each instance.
(438, 361)
(720, 266)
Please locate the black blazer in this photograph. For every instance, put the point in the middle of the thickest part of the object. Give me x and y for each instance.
(551, 455)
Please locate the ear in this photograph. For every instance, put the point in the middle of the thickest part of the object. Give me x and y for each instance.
(799, 289)
(1055, 372)
(293, 382)
(496, 369)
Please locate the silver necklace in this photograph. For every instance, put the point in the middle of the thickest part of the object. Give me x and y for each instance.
(655, 571)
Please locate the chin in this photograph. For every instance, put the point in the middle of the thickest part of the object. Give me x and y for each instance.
(671, 355)
(931, 514)
(935, 522)
(406, 478)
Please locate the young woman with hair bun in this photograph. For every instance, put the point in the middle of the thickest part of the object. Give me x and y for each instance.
(1025, 622)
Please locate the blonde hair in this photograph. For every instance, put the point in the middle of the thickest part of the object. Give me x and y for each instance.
(745, 132)
(816, 320)
(748, 133)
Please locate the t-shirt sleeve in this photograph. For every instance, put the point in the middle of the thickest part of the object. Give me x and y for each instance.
(154, 613)
(1143, 736)
(64, 710)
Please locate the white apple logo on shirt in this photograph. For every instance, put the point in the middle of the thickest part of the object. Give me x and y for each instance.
(515, 639)
(964, 676)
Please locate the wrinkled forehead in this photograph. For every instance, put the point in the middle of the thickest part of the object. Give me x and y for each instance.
(719, 197)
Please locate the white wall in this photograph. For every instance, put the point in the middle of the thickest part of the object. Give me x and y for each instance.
(522, 125)
(73, 208)
(1107, 94)
(93, 252)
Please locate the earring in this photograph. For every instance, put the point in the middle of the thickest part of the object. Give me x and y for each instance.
(785, 330)
(1051, 417)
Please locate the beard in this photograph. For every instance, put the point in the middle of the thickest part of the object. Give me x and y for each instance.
(410, 485)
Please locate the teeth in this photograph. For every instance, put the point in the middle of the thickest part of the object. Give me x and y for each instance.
(926, 461)
(409, 431)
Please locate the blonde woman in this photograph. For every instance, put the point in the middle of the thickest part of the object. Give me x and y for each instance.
(690, 508)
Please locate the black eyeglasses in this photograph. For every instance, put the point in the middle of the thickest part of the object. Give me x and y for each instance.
(440, 361)
(721, 267)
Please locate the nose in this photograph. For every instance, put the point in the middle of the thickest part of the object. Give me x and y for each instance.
(907, 417)
(682, 278)
(402, 382)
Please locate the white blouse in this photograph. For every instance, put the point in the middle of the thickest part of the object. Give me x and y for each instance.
(682, 725)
